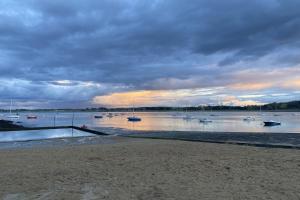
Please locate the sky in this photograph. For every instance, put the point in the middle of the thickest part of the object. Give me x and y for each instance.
(119, 53)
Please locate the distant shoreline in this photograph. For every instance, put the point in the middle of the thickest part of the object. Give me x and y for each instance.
(136, 110)
(292, 106)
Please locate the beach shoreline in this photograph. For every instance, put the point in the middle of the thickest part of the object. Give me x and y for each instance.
(133, 168)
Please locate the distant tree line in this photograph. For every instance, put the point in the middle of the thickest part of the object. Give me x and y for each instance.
(288, 106)
(285, 106)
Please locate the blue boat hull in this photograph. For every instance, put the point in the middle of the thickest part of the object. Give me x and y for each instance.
(272, 123)
(134, 119)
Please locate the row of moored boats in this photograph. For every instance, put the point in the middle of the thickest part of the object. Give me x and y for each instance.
(247, 119)
(17, 116)
(134, 118)
(131, 118)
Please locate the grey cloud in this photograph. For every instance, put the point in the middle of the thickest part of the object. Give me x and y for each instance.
(138, 44)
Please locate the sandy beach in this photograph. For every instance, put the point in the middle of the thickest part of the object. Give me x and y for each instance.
(150, 169)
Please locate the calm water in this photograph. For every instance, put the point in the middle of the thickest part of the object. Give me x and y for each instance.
(171, 121)
(9, 136)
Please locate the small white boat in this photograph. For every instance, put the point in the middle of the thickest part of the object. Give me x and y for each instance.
(272, 123)
(174, 115)
(12, 116)
(205, 120)
(248, 119)
(110, 115)
(187, 117)
(17, 116)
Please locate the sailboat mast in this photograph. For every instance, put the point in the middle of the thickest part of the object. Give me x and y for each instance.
(260, 110)
(10, 106)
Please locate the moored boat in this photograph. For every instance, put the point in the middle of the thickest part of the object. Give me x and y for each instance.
(205, 120)
(134, 119)
(98, 116)
(109, 115)
(31, 117)
(272, 123)
(187, 117)
(17, 116)
(12, 116)
(249, 119)
(84, 126)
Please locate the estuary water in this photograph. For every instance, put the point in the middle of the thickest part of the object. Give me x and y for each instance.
(12, 136)
(169, 121)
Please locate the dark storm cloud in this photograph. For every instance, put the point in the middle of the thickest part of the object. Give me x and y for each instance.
(140, 44)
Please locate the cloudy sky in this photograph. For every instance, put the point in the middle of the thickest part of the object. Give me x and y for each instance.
(79, 53)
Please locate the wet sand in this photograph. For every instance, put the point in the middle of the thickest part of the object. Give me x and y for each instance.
(150, 169)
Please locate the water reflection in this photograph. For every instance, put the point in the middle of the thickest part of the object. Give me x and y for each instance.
(40, 134)
(172, 121)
